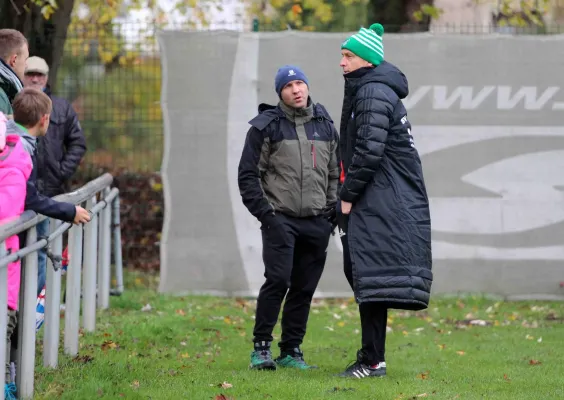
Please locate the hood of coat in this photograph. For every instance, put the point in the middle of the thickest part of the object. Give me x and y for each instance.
(14, 156)
(385, 73)
(29, 142)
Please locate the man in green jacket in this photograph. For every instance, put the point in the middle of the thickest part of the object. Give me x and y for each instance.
(13, 55)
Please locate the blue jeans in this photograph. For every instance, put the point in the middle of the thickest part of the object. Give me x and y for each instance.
(42, 230)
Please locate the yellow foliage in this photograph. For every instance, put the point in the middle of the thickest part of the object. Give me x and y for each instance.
(324, 12)
(47, 11)
(277, 4)
(94, 24)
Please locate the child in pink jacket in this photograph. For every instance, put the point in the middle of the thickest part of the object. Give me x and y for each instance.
(15, 168)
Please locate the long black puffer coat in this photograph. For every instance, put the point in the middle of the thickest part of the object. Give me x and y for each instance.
(389, 228)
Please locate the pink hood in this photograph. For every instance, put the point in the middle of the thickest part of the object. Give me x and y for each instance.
(3, 121)
(15, 168)
(14, 158)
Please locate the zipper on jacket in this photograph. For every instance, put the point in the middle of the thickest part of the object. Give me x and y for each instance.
(313, 154)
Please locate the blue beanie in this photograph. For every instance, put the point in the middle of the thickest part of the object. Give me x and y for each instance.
(286, 74)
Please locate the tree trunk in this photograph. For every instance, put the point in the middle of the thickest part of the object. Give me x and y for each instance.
(46, 37)
(397, 15)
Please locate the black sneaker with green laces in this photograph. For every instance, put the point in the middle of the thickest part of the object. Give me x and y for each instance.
(360, 369)
(261, 357)
(293, 359)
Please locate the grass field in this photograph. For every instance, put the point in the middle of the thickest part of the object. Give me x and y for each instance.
(149, 346)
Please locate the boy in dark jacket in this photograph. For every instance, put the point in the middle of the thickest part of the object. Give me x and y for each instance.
(31, 120)
(384, 216)
(288, 177)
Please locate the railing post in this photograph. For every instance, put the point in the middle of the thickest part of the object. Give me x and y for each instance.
(26, 346)
(118, 261)
(52, 323)
(3, 315)
(72, 306)
(104, 261)
(100, 261)
(90, 260)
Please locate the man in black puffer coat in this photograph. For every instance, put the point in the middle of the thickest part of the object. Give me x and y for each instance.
(384, 217)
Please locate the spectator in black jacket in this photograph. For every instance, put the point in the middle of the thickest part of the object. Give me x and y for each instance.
(58, 152)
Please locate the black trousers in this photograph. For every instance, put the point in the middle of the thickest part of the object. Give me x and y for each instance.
(373, 319)
(294, 255)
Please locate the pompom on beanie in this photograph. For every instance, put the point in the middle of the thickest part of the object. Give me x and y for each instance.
(367, 44)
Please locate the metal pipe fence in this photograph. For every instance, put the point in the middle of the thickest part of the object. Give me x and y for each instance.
(88, 278)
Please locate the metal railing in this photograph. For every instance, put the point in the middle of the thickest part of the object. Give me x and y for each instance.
(90, 264)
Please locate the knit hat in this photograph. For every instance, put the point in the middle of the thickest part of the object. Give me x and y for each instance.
(286, 74)
(367, 44)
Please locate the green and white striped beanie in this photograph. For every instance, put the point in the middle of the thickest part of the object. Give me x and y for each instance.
(367, 44)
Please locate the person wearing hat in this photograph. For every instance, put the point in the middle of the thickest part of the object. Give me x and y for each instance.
(288, 177)
(58, 153)
(383, 208)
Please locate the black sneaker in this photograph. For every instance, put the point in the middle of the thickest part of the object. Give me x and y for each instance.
(261, 358)
(359, 369)
(293, 359)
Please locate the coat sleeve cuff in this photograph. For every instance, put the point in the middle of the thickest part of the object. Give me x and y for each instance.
(347, 196)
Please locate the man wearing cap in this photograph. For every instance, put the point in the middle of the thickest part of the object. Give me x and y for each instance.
(383, 208)
(288, 176)
(59, 152)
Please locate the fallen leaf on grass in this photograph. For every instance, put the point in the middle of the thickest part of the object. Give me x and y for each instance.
(135, 385)
(441, 346)
(460, 353)
(185, 355)
(423, 375)
(506, 378)
(529, 337)
(180, 312)
(421, 395)
(83, 359)
(341, 324)
(553, 317)
(226, 385)
(534, 362)
(340, 389)
(108, 344)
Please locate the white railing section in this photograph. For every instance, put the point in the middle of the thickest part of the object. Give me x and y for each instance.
(90, 251)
